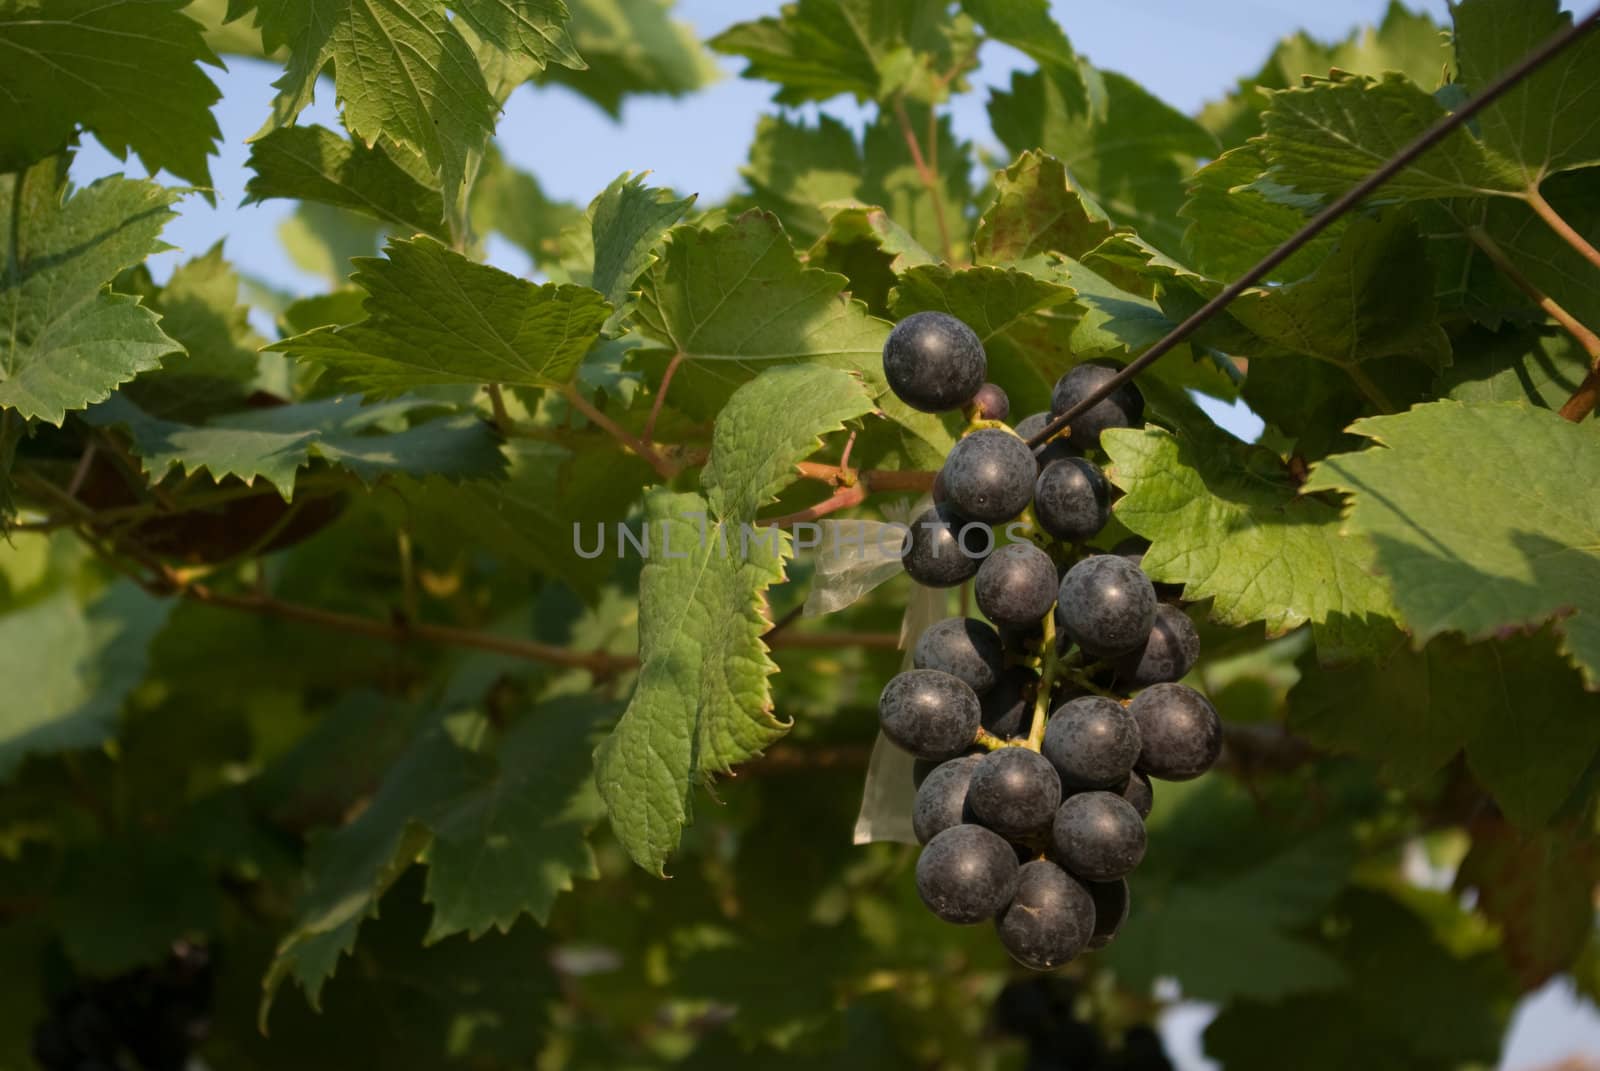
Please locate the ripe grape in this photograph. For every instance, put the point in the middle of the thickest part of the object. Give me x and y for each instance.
(967, 874)
(1171, 651)
(941, 799)
(1050, 920)
(1057, 449)
(1016, 585)
(991, 403)
(928, 713)
(1014, 792)
(1092, 743)
(1106, 604)
(1007, 708)
(934, 362)
(1097, 836)
(1111, 903)
(964, 647)
(945, 549)
(989, 475)
(1122, 408)
(1138, 791)
(1071, 499)
(1180, 732)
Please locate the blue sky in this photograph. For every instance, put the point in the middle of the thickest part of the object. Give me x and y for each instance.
(1184, 51)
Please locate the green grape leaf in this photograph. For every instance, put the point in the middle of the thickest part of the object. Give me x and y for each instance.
(1126, 147)
(1026, 25)
(311, 163)
(1545, 122)
(632, 46)
(795, 168)
(510, 202)
(351, 867)
(519, 839)
(704, 698)
(735, 298)
(273, 444)
(1472, 512)
(1026, 323)
(1521, 714)
(1331, 134)
(322, 240)
(1410, 1003)
(1224, 519)
(1220, 911)
(1515, 366)
(1233, 224)
(556, 511)
(70, 342)
(1038, 208)
(818, 49)
(200, 310)
(1372, 297)
(404, 71)
(127, 70)
(70, 666)
(1405, 41)
(627, 221)
(770, 424)
(433, 316)
(867, 247)
(1539, 889)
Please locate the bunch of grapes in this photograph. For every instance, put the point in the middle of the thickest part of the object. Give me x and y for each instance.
(1034, 764)
(149, 1018)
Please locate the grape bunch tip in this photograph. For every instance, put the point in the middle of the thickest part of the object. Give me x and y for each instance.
(1038, 731)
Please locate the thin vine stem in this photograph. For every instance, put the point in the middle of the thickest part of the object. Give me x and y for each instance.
(1047, 680)
(929, 178)
(1564, 230)
(661, 397)
(575, 398)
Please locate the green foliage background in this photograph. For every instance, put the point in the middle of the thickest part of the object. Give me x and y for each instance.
(298, 659)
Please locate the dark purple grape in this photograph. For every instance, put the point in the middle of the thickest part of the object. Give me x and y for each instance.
(967, 874)
(989, 475)
(1092, 743)
(1171, 651)
(1057, 449)
(1180, 733)
(1122, 408)
(941, 798)
(944, 549)
(1106, 604)
(1007, 709)
(934, 362)
(1111, 903)
(1071, 499)
(1133, 549)
(1049, 921)
(1016, 585)
(963, 647)
(1138, 791)
(928, 713)
(1098, 836)
(991, 403)
(1014, 792)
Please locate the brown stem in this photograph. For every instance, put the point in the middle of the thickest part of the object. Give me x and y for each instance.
(843, 498)
(873, 479)
(844, 456)
(576, 399)
(497, 401)
(1547, 212)
(1582, 402)
(1369, 387)
(81, 473)
(929, 177)
(661, 396)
